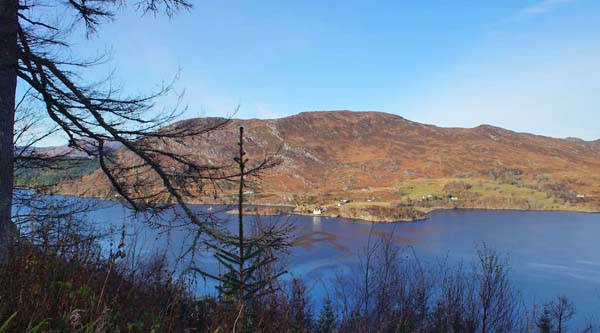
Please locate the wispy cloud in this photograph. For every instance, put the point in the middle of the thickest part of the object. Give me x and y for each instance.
(544, 6)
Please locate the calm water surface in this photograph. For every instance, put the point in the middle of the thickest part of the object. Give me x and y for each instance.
(550, 253)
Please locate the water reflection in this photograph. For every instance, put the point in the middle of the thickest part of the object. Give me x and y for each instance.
(316, 223)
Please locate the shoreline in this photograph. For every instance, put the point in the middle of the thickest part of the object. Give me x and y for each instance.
(293, 209)
(425, 217)
(254, 212)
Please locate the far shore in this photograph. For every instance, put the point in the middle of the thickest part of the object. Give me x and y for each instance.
(270, 210)
(383, 212)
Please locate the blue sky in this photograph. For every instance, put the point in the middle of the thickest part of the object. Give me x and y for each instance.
(531, 66)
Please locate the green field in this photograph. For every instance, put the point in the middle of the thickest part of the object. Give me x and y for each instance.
(68, 169)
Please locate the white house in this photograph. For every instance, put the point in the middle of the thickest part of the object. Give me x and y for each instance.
(317, 211)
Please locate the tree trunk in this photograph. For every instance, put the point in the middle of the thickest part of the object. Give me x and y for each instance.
(242, 291)
(8, 85)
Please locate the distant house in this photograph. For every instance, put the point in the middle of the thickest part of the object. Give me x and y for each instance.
(581, 196)
(454, 198)
(317, 211)
(428, 197)
(345, 201)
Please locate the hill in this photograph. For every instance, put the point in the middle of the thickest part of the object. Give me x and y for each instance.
(385, 159)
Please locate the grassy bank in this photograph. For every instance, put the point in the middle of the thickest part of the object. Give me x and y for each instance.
(406, 200)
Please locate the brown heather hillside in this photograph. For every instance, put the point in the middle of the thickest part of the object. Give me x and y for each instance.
(384, 157)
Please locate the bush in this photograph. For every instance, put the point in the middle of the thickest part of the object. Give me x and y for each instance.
(510, 176)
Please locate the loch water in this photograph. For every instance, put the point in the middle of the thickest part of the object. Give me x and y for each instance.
(549, 253)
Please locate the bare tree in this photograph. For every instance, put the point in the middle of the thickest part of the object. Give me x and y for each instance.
(561, 310)
(149, 171)
(405, 296)
(497, 301)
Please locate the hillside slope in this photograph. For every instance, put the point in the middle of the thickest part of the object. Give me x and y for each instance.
(385, 157)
